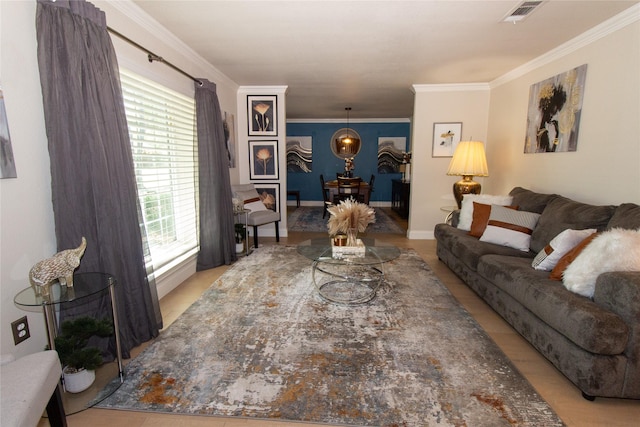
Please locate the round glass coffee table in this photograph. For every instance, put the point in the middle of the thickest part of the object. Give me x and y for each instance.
(348, 278)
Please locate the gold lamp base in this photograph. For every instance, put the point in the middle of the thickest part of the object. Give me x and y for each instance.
(465, 186)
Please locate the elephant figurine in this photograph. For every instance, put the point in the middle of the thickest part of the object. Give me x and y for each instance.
(59, 267)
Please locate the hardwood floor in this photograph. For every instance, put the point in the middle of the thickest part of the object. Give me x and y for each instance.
(563, 397)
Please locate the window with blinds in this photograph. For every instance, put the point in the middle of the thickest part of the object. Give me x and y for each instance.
(161, 128)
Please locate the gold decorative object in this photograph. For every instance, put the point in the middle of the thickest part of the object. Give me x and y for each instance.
(346, 142)
(59, 267)
(468, 160)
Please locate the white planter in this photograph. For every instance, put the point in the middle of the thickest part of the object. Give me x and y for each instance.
(239, 248)
(76, 382)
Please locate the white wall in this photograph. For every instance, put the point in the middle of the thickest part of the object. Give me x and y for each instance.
(605, 169)
(26, 215)
(281, 138)
(431, 188)
(27, 231)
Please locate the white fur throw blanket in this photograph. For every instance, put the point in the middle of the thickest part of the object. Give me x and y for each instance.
(614, 250)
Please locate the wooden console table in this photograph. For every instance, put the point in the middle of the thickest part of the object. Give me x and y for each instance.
(400, 191)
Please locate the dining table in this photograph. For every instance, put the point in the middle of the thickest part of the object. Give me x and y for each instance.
(332, 186)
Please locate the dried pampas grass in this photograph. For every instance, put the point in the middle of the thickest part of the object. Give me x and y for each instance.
(350, 214)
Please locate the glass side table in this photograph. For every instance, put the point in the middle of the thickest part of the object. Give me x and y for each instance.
(239, 214)
(85, 286)
(449, 210)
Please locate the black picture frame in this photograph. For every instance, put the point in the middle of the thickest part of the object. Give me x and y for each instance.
(262, 115)
(269, 194)
(263, 159)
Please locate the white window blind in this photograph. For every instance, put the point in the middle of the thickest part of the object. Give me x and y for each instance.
(161, 128)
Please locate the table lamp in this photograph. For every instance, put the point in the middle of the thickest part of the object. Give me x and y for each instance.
(468, 160)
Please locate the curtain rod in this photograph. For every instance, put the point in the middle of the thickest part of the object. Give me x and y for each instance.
(152, 56)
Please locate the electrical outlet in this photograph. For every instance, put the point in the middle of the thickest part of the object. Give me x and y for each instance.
(20, 329)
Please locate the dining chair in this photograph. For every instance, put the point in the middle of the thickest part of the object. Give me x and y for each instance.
(326, 198)
(371, 181)
(348, 188)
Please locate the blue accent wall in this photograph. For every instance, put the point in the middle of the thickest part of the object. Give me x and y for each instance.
(326, 163)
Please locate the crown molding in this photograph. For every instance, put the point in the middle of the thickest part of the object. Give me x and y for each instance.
(604, 29)
(129, 9)
(394, 120)
(453, 87)
(263, 90)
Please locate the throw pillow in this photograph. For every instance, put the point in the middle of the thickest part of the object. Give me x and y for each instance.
(566, 259)
(508, 227)
(481, 214)
(251, 200)
(549, 256)
(614, 250)
(466, 211)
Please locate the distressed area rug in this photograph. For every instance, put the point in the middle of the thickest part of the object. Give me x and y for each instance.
(309, 219)
(261, 343)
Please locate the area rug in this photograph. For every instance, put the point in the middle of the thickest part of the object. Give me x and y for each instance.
(262, 343)
(309, 219)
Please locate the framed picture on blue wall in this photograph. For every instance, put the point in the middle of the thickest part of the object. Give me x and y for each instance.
(269, 194)
(263, 159)
(299, 154)
(262, 115)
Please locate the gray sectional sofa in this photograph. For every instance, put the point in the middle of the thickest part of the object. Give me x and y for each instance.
(594, 342)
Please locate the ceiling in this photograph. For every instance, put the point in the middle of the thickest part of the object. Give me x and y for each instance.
(368, 54)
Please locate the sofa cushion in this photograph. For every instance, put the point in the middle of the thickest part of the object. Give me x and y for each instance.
(481, 213)
(549, 256)
(569, 257)
(530, 201)
(466, 212)
(579, 319)
(562, 213)
(469, 249)
(509, 227)
(612, 250)
(627, 215)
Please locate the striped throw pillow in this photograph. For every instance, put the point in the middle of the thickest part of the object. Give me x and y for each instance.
(508, 227)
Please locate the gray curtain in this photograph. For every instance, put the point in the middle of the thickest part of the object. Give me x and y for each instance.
(92, 177)
(217, 244)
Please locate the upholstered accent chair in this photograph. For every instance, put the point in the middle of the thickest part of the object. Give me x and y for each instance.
(259, 214)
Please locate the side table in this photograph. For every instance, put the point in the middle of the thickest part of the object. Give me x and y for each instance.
(449, 210)
(85, 286)
(245, 212)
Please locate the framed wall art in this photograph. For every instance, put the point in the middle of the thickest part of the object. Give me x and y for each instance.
(299, 154)
(7, 162)
(263, 159)
(446, 137)
(269, 194)
(262, 115)
(553, 116)
(390, 153)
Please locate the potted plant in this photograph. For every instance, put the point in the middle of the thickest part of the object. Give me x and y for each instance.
(240, 234)
(78, 359)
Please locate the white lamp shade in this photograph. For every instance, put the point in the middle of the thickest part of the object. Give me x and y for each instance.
(469, 159)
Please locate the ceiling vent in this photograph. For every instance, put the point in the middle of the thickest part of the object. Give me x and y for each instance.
(521, 11)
